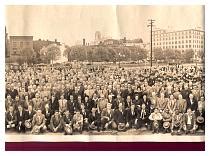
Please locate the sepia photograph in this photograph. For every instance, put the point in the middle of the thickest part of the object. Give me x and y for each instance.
(105, 73)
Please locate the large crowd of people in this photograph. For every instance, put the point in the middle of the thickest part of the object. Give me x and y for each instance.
(163, 99)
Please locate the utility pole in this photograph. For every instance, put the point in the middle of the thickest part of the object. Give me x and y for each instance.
(151, 21)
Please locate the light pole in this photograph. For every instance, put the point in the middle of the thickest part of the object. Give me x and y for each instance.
(151, 21)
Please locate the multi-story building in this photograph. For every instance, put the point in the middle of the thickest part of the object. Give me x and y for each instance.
(179, 40)
(18, 43)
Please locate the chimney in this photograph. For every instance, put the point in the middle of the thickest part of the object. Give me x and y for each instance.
(124, 40)
(83, 42)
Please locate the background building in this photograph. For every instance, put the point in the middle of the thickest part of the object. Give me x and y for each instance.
(18, 43)
(179, 40)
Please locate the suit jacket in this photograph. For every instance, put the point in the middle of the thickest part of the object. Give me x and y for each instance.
(11, 117)
(21, 117)
(105, 113)
(119, 116)
(192, 118)
(130, 116)
(95, 118)
(29, 116)
(67, 119)
(193, 105)
(56, 122)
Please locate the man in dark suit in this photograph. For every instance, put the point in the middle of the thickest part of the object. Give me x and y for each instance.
(120, 118)
(131, 117)
(20, 119)
(192, 103)
(54, 103)
(11, 118)
(143, 117)
(56, 122)
(107, 118)
(29, 115)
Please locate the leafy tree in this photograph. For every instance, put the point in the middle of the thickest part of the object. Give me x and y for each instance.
(29, 54)
(53, 51)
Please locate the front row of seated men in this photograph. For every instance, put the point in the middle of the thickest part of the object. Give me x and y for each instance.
(120, 119)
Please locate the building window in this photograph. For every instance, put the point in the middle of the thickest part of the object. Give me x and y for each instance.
(179, 42)
(186, 41)
(186, 36)
(179, 46)
(186, 46)
(182, 41)
(175, 42)
(172, 42)
(172, 46)
(189, 41)
(175, 46)
(189, 46)
(182, 46)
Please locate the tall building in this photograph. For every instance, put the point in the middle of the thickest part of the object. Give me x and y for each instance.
(18, 43)
(179, 40)
(97, 36)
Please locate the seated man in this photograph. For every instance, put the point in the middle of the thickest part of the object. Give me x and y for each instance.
(20, 119)
(67, 123)
(189, 122)
(38, 123)
(200, 118)
(85, 114)
(176, 123)
(143, 117)
(107, 118)
(155, 117)
(166, 120)
(94, 119)
(131, 117)
(29, 117)
(56, 122)
(78, 121)
(11, 119)
(120, 118)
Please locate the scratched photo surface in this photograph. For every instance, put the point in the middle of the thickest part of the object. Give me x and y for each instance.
(105, 73)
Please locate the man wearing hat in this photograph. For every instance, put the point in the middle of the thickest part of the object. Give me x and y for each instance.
(67, 123)
(120, 118)
(143, 117)
(155, 117)
(94, 119)
(176, 123)
(131, 117)
(29, 117)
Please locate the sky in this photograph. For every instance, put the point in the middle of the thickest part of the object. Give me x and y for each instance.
(70, 24)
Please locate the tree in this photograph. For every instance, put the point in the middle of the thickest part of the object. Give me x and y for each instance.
(188, 54)
(29, 54)
(52, 51)
(159, 54)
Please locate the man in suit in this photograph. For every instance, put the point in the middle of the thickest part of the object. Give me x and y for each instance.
(67, 123)
(94, 119)
(38, 123)
(11, 118)
(78, 121)
(192, 103)
(131, 117)
(181, 104)
(189, 121)
(177, 122)
(146, 101)
(143, 117)
(62, 104)
(37, 102)
(56, 122)
(29, 115)
(107, 118)
(85, 112)
(20, 119)
(47, 113)
(54, 103)
(120, 118)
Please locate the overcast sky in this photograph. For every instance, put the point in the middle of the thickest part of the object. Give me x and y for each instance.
(70, 24)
